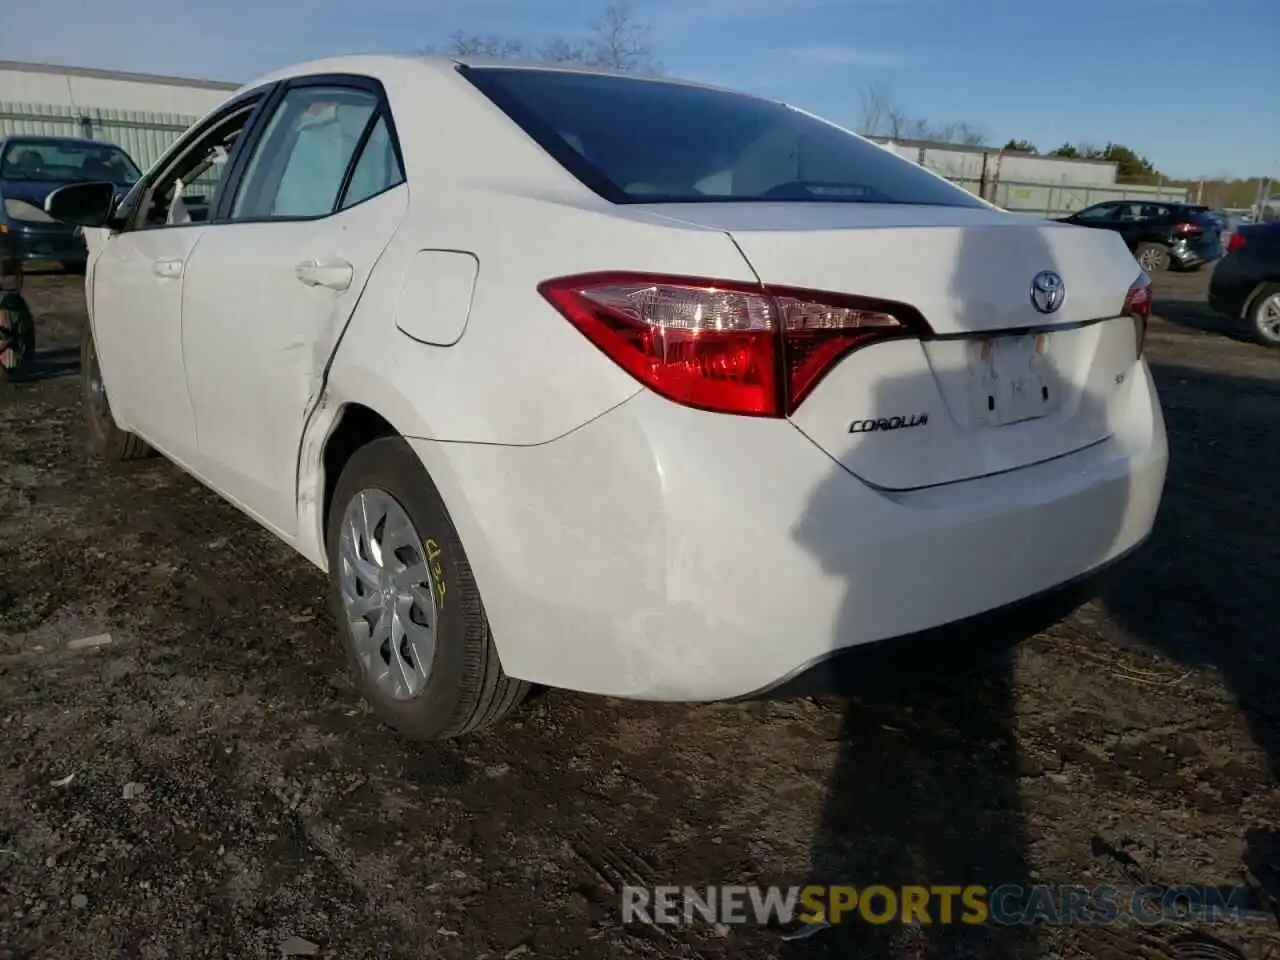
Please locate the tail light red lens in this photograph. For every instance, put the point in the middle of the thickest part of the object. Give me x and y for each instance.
(1236, 242)
(1188, 229)
(723, 346)
(1137, 304)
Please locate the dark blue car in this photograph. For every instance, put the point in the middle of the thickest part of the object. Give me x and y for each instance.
(1246, 282)
(30, 169)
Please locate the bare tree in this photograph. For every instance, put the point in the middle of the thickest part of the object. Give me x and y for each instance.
(620, 42)
(896, 122)
(874, 104)
(953, 133)
(615, 40)
(560, 50)
(880, 115)
(477, 45)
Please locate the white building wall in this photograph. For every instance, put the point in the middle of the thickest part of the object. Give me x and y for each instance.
(1020, 167)
(78, 88)
(959, 163)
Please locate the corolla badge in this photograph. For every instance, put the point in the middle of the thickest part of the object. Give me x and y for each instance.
(1047, 291)
(889, 423)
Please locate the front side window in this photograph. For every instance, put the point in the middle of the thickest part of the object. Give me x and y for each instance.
(54, 160)
(298, 166)
(186, 191)
(643, 141)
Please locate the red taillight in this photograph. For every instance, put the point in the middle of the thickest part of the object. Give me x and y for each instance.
(1188, 229)
(1137, 304)
(724, 346)
(1236, 242)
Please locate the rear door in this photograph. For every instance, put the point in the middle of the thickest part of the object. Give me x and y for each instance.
(273, 283)
(1141, 222)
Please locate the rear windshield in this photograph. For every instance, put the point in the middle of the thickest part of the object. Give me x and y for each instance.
(644, 141)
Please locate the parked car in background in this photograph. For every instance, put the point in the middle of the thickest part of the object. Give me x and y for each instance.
(540, 363)
(30, 169)
(1246, 282)
(17, 327)
(1161, 236)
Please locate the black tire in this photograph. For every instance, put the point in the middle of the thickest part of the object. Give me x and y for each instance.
(1156, 256)
(17, 336)
(465, 688)
(105, 439)
(1255, 313)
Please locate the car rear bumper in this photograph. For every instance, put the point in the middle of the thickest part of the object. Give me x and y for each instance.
(960, 641)
(665, 553)
(1190, 255)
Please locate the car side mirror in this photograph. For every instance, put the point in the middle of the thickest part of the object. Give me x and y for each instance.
(85, 204)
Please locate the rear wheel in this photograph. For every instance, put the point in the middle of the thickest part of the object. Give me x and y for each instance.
(1152, 257)
(409, 613)
(1265, 314)
(105, 439)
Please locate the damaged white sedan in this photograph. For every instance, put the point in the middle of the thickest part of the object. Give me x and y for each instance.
(624, 385)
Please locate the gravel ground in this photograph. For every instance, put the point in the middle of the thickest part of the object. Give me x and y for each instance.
(207, 784)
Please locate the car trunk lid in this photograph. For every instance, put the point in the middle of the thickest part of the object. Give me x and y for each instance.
(1000, 383)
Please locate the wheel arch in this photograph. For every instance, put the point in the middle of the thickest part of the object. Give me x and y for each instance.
(345, 420)
(356, 426)
(1250, 300)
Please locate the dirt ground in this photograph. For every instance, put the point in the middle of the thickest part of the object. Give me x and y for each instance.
(207, 784)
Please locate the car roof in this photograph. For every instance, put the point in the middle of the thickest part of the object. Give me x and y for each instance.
(390, 65)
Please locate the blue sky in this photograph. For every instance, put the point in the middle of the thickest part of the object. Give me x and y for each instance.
(1193, 84)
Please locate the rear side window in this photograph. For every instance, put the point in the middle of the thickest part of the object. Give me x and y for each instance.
(299, 164)
(376, 170)
(644, 141)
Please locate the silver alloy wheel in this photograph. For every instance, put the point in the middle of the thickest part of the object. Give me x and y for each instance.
(1151, 259)
(1267, 317)
(386, 593)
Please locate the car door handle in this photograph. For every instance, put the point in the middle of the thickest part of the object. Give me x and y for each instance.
(168, 269)
(334, 274)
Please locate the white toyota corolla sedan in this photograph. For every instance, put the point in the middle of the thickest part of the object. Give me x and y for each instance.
(617, 384)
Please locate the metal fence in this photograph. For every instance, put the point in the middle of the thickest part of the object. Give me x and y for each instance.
(142, 134)
(145, 136)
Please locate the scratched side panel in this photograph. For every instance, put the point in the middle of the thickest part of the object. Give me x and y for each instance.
(258, 342)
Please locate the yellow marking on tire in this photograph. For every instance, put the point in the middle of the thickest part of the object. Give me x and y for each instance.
(437, 569)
